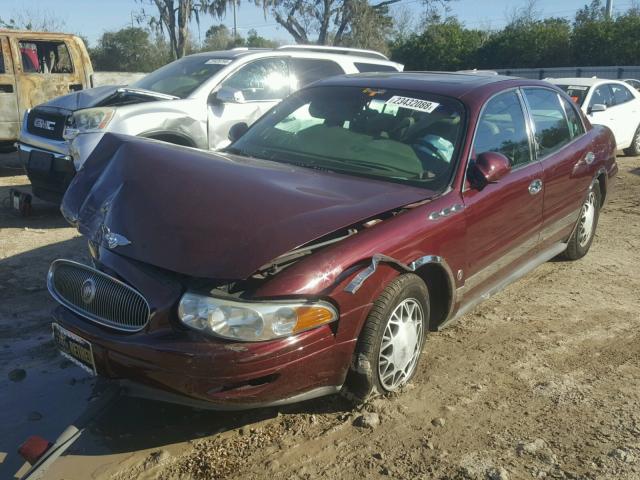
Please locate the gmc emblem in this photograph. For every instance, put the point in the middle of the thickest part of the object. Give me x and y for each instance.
(44, 124)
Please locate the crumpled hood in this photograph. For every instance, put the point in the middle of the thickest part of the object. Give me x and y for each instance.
(215, 216)
(108, 95)
(83, 98)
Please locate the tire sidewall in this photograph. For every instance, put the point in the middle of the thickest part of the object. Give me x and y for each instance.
(363, 380)
(582, 250)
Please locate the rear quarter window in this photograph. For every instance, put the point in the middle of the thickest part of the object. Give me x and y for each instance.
(307, 70)
(577, 92)
(373, 67)
(39, 56)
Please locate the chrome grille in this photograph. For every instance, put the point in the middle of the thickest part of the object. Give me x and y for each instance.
(97, 296)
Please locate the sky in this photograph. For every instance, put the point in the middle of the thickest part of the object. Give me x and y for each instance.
(91, 18)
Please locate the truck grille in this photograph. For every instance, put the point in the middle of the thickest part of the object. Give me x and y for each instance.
(97, 296)
(46, 124)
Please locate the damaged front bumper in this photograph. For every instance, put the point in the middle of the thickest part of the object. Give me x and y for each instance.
(183, 367)
(50, 172)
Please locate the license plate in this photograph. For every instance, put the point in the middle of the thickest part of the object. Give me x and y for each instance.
(40, 161)
(76, 349)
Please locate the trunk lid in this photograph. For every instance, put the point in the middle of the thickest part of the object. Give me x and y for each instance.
(215, 215)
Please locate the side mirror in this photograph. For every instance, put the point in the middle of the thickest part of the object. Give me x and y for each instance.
(228, 95)
(237, 130)
(488, 168)
(597, 107)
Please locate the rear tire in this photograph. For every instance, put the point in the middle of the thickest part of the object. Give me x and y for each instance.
(390, 343)
(585, 230)
(634, 148)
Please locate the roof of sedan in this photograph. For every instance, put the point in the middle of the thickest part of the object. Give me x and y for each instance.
(444, 83)
(581, 81)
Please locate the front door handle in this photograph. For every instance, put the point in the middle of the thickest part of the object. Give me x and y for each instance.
(74, 87)
(6, 88)
(535, 187)
(589, 158)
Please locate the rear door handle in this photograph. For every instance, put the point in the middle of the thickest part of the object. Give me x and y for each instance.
(6, 88)
(535, 187)
(74, 87)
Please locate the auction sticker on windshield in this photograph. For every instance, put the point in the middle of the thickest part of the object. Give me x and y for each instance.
(73, 347)
(218, 61)
(413, 103)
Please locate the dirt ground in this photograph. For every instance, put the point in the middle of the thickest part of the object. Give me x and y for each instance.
(541, 381)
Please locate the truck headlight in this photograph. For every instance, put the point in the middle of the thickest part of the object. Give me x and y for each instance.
(252, 321)
(88, 120)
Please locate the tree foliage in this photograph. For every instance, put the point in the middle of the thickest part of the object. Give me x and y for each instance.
(33, 19)
(218, 37)
(337, 22)
(129, 50)
(441, 46)
(174, 17)
(526, 42)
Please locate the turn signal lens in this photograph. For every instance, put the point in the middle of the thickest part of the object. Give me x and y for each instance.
(311, 317)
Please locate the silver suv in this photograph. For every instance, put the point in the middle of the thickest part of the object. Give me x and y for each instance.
(193, 101)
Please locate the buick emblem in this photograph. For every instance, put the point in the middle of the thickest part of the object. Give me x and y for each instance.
(116, 240)
(88, 292)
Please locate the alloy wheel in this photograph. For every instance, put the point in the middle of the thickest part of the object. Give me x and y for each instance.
(401, 344)
(587, 217)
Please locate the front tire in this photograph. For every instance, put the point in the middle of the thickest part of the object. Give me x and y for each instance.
(391, 341)
(634, 148)
(585, 230)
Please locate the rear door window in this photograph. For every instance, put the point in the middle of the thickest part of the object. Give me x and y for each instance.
(373, 67)
(549, 120)
(45, 57)
(621, 94)
(307, 70)
(1, 59)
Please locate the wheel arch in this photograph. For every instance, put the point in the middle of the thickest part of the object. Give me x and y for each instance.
(437, 275)
(434, 272)
(169, 136)
(601, 176)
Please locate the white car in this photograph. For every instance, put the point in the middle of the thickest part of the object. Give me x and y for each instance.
(612, 103)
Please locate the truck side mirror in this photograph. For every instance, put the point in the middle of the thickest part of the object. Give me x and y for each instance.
(237, 130)
(227, 95)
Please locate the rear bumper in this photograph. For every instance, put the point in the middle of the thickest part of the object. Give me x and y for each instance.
(186, 368)
(52, 183)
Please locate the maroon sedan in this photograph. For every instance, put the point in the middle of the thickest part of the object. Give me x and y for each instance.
(317, 251)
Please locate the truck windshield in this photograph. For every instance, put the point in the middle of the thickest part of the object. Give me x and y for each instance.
(399, 136)
(182, 77)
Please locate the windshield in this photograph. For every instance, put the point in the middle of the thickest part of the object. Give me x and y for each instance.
(399, 136)
(183, 76)
(577, 92)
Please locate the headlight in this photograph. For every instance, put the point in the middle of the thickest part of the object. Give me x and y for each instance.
(88, 120)
(252, 321)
